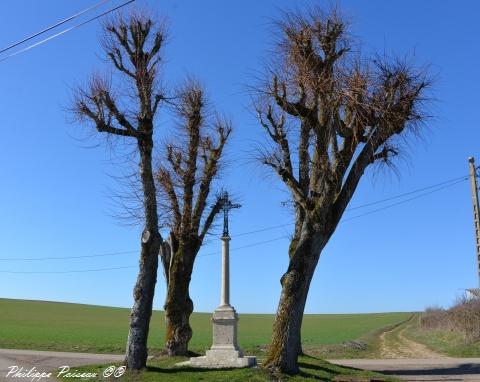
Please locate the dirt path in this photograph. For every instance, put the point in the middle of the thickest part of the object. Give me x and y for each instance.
(431, 369)
(411, 361)
(394, 344)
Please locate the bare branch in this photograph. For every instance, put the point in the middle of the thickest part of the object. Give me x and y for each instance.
(166, 183)
(134, 47)
(190, 107)
(296, 109)
(175, 158)
(288, 178)
(210, 218)
(211, 156)
(97, 105)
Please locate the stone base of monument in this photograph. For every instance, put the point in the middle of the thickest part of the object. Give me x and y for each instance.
(224, 351)
(222, 359)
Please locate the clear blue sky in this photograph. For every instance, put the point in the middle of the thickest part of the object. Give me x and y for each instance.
(54, 198)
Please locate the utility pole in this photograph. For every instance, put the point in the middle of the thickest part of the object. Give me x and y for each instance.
(474, 186)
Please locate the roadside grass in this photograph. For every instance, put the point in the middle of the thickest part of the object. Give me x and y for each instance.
(164, 369)
(40, 325)
(447, 342)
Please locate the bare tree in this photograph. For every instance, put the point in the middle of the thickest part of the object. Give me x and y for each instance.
(133, 48)
(328, 115)
(192, 163)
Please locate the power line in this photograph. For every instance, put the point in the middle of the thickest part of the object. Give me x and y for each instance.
(445, 184)
(132, 266)
(398, 196)
(403, 201)
(65, 31)
(61, 22)
(241, 247)
(71, 271)
(246, 246)
(407, 193)
(263, 229)
(65, 257)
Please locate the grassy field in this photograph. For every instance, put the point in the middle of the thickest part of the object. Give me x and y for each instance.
(73, 327)
(164, 370)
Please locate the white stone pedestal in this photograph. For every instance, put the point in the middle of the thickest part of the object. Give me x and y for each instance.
(224, 351)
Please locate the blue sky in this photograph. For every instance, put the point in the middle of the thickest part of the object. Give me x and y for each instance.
(54, 194)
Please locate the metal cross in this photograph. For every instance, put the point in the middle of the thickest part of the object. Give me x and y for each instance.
(227, 205)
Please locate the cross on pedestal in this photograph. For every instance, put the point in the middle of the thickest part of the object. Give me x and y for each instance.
(225, 351)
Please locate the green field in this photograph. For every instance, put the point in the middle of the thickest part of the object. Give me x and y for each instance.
(73, 327)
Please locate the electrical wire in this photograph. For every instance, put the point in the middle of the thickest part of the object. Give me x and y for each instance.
(263, 229)
(65, 31)
(132, 266)
(61, 22)
(398, 196)
(246, 246)
(71, 271)
(66, 257)
(443, 185)
(406, 193)
(403, 201)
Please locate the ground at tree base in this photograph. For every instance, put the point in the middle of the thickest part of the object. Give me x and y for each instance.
(311, 369)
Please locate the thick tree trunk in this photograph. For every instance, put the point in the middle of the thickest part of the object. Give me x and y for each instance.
(178, 304)
(143, 293)
(285, 348)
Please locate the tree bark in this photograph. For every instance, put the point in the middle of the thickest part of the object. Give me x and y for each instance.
(143, 293)
(178, 304)
(136, 352)
(285, 347)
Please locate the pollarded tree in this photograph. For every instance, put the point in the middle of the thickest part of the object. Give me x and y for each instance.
(191, 164)
(133, 48)
(328, 115)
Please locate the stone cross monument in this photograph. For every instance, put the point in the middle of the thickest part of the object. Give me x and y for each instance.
(224, 351)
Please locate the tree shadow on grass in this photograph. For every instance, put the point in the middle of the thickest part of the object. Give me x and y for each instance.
(463, 369)
(188, 369)
(185, 369)
(308, 368)
(306, 375)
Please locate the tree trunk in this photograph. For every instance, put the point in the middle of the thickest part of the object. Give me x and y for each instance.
(285, 348)
(178, 304)
(143, 293)
(136, 353)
